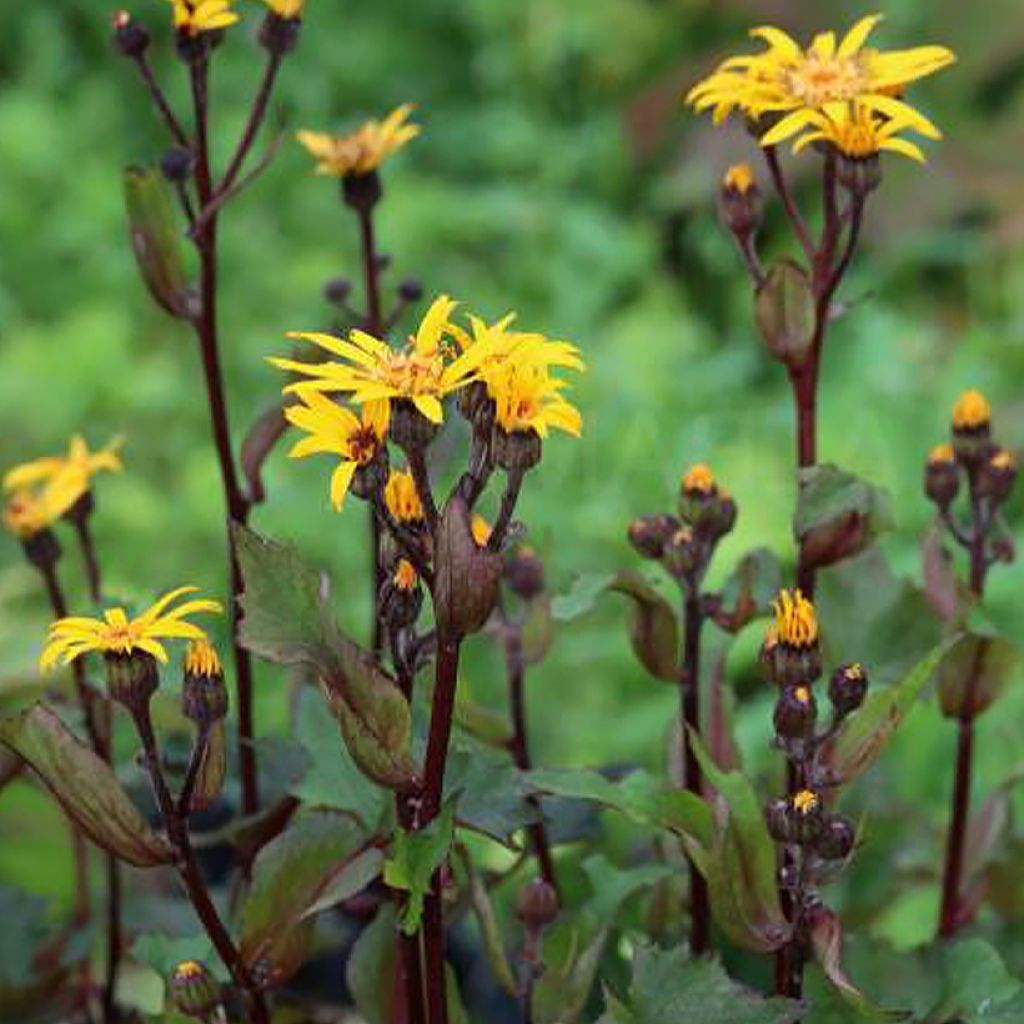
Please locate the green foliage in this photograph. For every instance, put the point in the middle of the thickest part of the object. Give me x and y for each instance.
(975, 674)
(414, 858)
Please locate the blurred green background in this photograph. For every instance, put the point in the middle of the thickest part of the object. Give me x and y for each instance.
(557, 175)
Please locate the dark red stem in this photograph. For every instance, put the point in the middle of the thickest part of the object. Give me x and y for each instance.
(252, 125)
(92, 567)
(160, 101)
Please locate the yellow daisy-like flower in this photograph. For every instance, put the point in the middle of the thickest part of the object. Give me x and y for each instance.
(941, 453)
(363, 150)
(796, 624)
(699, 480)
(422, 372)
(194, 17)
(788, 80)
(65, 478)
(739, 178)
(858, 132)
(805, 801)
(527, 398)
(201, 659)
(402, 498)
(335, 430)
(287, 9)
(116, 634)
(971, 411)
(26, 514)
(405, 576)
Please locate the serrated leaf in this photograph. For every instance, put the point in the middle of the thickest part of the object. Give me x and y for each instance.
(669, 987)
(975, 674)
(287, 621)
(415, 856)
(866, 731)
(654, 628)
(293, 874)
(84, 786)
(838, 515)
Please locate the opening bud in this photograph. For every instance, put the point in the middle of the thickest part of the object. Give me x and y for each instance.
(176, 164)
(192, 990)
(836, 838)
(847, 688)
(337, 290)
(796, 712)
(941, 476)
(791, 650)
(997, 475)
(806, 816)
(401, 596)
(204, 697)
(972, 425)
(739, 201)
(280, 31)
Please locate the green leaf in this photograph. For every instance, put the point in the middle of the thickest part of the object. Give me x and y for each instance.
(372, 971)
(415, 856)
(287, 621)
(487, 922)
(332, 778)
(84, 786)
(653, 629)
(560, 996)
(975, 983)
(486, 724)
(537, 630)
(865, 732)
(306, 868)
(750, 589)
(668, 988)
(975, 674)
(155, 243)
(740, 864)
(838, 515)
(826, 943)
(581, 596)
(163, 953)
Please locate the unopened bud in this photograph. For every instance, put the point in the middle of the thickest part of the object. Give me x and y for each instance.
(941, 476)
(847, 688)
(517, 451)
(682, 554)
(776, 816)
(860, 176)
(650, 534)
(278, 33)
(204, 697)
(997, 475)
(739, 201)
(806, 815)
(537, 904)
(836, 838)
(972, 426)
(337, 290)
(176, 164)
(409, 428)
(410, 290)
(796, 712)
(192, 990)
(401, 596)
(130, 37)
(784, 309)
(524, 573)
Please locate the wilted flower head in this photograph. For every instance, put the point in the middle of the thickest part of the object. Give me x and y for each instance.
(363, 150)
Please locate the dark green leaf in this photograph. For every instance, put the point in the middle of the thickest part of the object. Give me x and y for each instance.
(487, 922)
(654, 629)
(975, 674)
(85, 786)
(372, 972)
(478, 720)
(975, 985)
(537, 630)
(784, 310)
(415, 856)
(163, 953)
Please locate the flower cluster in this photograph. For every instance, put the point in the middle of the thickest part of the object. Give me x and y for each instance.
(845, 94)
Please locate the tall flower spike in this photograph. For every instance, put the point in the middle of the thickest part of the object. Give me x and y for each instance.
(116, 634)
(335, 430)
(786, 79)
(363, 150)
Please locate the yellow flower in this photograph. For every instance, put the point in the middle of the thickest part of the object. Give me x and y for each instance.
(1003, 460)
(789, 80)
(971, 411)
(405, 576)
(189, 970)
(796, 624)
(193, 17)
(739, 178)
(940, 453)
(805, 801)
(423, 372)
(363, 150)
(528, 398)
(26, 514)
(802, 694)
(858, 132)
(65, 478)
(287, 9)
(699, 480)
(335, 430)
(481, 529)
(116, 634)
(201, 658)
(402, 498)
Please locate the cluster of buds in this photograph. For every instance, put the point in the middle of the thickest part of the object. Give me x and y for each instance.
(815, 837)
(989, 469)
(685, 543)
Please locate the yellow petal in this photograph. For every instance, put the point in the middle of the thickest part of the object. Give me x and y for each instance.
(789, 125)
(904, 147)
(858, 35)
(430, 407)
(340, 481)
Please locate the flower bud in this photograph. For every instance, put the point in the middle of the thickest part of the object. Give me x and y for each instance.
(682, 553)
(204, 697)
(361, 192)
(997, 475)
(192, 990)
(847, 688)
(806, 815)
(537, 904)
(402, 498)
(401, 596)
(130, 37)
(517, 451)
(941, 476)
(784, 309)
(739, 201)
(176, 164)
(337, 290)
(650, 534)
(972, 426)
(836, 838)
(409, 428)
(524, 573)
(132, 679)
(796, 712)
(368, 479)
(410, 290)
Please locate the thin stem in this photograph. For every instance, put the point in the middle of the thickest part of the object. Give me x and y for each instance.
(92, 566)
(689, 692)
(371, 270)
(513, 484)
(520, 749)
(236, 502)
(421, 477)
(252, 125)
(771, 157)
(376, 579)
(195, 763)
(110, 1014)
(188, 866)
(160, 101)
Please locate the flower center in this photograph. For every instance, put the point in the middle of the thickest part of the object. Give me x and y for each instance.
(412, 374)
(818, 80)
(362, 445)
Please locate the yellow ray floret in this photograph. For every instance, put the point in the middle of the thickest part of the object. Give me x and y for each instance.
(26, 514)
(699, 479)
(201, 659)
(116, 634)
(363, 150)
(854, 129)
(481, 530)
(527, 398)
(335, 430)
(65, 477)
(193, 17)
(287, 9)
(402, 498)
(796, 623)
(788, 79)
(941, 453)
(423, 371)
(405, 576)
(971, 411)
